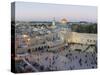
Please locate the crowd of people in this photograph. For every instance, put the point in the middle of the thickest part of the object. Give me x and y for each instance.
(61, 60)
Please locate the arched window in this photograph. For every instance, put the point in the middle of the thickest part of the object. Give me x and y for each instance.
(87, 40)
(29, 50)
(94, 41)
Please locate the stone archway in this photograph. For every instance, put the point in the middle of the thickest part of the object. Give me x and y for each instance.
(29, 51)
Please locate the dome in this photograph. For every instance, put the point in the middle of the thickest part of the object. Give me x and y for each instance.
(64, 20)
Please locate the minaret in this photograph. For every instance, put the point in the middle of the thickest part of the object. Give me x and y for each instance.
(53, 23)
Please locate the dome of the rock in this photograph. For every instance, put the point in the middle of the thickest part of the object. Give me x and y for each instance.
(64, 21)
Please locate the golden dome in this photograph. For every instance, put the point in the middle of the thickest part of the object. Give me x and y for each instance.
(64, 20)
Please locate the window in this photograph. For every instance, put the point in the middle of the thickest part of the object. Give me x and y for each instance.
(87, 40)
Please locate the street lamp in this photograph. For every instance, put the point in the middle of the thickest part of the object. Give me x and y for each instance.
(25, 36)
(28, 39)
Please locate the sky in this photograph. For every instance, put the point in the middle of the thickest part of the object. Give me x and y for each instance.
(29, 11)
